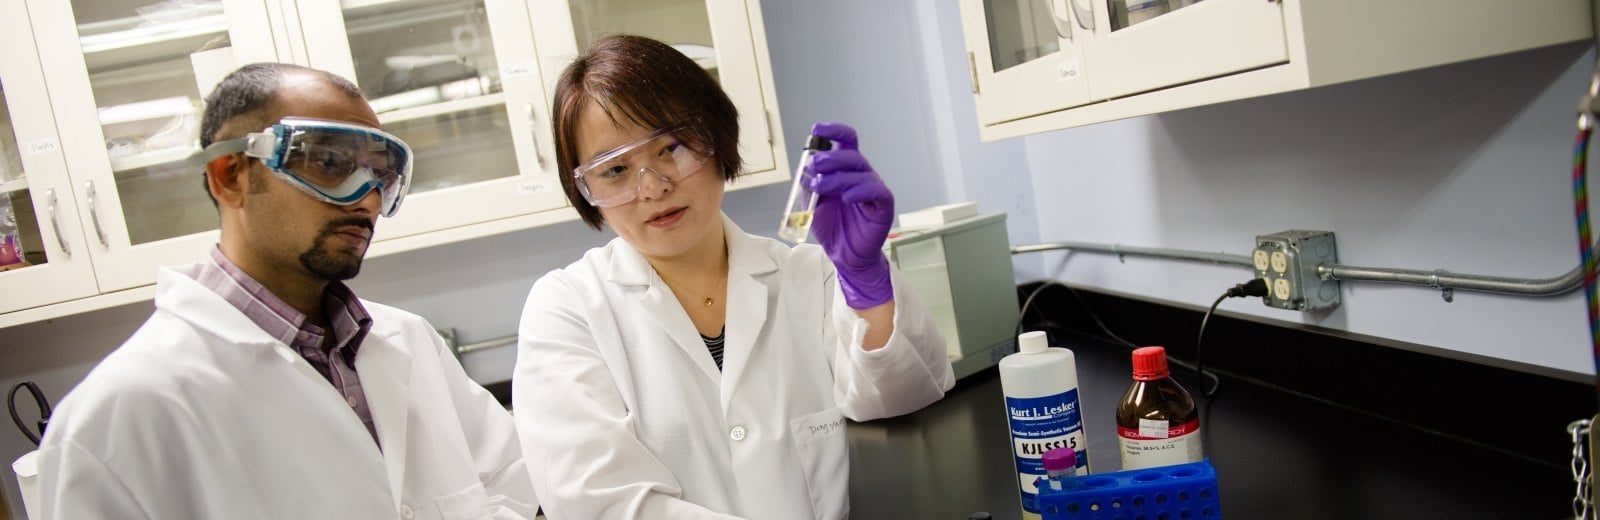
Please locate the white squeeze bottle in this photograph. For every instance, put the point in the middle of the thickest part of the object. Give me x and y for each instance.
(1041, 390)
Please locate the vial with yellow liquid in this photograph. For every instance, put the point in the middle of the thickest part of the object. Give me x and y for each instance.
(796, 224)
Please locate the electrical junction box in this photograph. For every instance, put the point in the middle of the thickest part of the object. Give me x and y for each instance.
(1288, 262)
(962, 271)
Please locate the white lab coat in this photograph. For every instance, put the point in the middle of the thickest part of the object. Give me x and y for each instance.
(623, 414)
(201, 414)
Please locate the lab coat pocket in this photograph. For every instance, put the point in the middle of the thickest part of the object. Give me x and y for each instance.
(471, 503)
(824, 451)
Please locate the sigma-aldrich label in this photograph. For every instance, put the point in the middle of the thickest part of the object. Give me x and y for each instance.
(1159, 443)
(1040, 424)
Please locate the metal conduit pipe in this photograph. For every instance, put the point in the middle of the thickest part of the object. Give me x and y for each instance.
(1437, 279)
(1442, 280)
(1154, 252)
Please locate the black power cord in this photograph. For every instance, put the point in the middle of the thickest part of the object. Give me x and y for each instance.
(1048, 325)
(1028, 303)
(1254, 287)
(39, 400)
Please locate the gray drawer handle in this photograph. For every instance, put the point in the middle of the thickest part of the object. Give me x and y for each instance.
(1059, 17)
(1084, 12)
(94, 215)
(50, 197)
(533, 127)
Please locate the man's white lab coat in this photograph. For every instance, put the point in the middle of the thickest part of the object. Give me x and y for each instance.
(202, 415)
(623, 414)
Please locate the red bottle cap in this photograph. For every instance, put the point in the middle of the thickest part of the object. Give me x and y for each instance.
(1149, 363)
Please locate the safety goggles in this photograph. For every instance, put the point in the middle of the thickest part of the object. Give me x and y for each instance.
(615, 177)
(337, 163)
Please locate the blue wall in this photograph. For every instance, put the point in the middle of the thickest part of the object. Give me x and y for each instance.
(1463, 167)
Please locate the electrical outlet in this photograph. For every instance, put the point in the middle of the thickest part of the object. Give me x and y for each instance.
(1288, 262)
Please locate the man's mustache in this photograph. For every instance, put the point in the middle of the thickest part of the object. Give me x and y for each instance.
(334, 226)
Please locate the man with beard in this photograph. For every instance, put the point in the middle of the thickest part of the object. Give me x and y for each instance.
(261, 387)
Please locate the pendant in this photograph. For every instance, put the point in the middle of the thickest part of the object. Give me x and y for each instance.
(709, 301)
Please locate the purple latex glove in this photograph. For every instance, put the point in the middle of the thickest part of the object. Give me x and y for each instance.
(853, 215)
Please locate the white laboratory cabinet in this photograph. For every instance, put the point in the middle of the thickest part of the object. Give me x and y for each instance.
(1039, 65)
(103, 100)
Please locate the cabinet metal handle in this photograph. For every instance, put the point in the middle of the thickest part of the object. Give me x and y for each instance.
(50, 205)
(533, 127)
(972, 67)
(1059, 18)
(94, 215)
(1083, 10)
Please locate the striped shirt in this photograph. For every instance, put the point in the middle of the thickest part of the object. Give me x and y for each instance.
(715, 346)
(332, 356)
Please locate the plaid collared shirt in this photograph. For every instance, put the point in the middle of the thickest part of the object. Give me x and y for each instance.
(349, 319)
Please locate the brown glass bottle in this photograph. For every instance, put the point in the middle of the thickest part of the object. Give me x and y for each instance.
(1157, 421)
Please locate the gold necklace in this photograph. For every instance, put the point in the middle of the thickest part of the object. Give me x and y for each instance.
(706, 299)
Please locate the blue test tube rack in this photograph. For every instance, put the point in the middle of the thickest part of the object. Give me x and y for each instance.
(1177, 492)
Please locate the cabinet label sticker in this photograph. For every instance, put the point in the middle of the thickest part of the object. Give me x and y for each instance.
(40, 146)
(1067, 70)
(516, 70)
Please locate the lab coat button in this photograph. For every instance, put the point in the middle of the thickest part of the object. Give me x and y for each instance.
(351, 400)
(405, 512)
(737, 433)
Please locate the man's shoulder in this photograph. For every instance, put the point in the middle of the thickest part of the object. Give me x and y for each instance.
(139, 382)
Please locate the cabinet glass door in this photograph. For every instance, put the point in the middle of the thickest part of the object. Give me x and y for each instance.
(456, 80)
(21, 241)
(430, 71)
(716, 34)
(127, 78)
(1153, 44)
(1019, 32)
(42, 254)
(1127, 13)
(684, 24)
(148, 104)
(1018, 48)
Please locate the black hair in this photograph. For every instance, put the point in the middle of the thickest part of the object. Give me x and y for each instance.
(239, 104)
(650, 85)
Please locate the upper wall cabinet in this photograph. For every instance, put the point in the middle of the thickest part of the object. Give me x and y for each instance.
(457, 81)
(102, 101)
(123, 84)
(41, 243)
(1041, 65)
(726, 37)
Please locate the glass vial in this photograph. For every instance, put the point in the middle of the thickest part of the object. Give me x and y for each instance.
(1157, 421)
(1060, 467)
(802, 201)
(1042, 409)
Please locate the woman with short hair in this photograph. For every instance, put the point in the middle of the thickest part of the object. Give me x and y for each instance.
(688, 369)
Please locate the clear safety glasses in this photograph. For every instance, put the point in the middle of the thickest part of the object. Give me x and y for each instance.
(334, 162)
(614, 178)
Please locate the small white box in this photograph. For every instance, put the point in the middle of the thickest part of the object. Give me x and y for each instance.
(937, 215)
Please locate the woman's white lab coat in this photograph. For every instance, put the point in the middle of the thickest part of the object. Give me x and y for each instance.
(202, 415)
(623, 414)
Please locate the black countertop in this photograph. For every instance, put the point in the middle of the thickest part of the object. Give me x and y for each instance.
(1278, 455)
